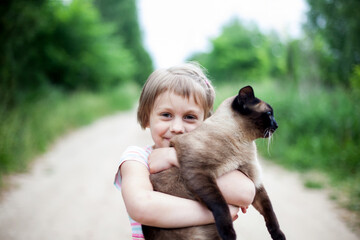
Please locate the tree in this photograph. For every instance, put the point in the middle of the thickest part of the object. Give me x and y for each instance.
(81, 52)
(242, 52)
(21, 23)
(123, 15)
(48, 44)
(338, 23)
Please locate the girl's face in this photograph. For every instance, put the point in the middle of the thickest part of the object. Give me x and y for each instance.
(171, 115)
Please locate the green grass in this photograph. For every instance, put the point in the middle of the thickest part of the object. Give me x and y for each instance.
(313, 184)
(319, 130)
(27, 130)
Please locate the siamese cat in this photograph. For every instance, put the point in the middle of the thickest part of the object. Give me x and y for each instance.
(224, 142)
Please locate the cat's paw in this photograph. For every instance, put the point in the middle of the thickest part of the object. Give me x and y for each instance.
(278, 235)
(228, 235)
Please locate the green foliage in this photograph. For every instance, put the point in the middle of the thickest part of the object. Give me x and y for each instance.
(21, 23)
(81, 52)
(123, 15)
(355, 79)
(243, 53)
(28, 129)
(318, 129)
(313, 184)
(337, 22)
(46, 43)
(328, 123)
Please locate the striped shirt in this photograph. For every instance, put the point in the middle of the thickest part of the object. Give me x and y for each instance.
(133, 153)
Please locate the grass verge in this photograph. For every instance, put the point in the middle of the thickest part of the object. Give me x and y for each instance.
(28, 129)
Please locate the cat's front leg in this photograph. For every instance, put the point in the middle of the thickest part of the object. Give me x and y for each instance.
(263, 204)
(205, 189)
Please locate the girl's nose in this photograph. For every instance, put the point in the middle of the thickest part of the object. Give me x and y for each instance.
(177, 126)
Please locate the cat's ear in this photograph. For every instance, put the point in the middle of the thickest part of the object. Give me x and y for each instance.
(243, 100)
(246, 94)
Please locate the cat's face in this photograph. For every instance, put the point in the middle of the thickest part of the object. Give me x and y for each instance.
(258, 115)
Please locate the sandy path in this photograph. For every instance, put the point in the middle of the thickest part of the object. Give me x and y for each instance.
(68, 194)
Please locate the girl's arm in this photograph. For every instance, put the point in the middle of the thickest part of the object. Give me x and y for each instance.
(158, 209)
(236, 187)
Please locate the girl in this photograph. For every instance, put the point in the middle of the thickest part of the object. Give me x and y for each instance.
(173, 101)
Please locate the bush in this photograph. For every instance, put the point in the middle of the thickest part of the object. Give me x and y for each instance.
(243, 53)
(45, 43)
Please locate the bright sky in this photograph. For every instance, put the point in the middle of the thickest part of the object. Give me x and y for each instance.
(174, 29)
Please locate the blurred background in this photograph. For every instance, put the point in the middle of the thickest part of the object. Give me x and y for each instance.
(64, 64)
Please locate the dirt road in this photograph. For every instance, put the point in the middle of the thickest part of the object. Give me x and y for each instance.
(68, 194)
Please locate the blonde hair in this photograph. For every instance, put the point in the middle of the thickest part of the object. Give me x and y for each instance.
(185, 80)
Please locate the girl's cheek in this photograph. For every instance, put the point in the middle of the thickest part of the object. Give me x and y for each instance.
(192, 127)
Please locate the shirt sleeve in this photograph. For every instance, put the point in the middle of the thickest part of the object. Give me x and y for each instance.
(132, 153)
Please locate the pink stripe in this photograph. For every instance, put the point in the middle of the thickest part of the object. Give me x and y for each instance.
(135, 224)
(137, 235)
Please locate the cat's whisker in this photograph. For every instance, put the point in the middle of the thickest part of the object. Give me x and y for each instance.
(269, 142)
(268, 133)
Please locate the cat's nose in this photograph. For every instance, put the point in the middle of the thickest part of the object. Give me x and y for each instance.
(273, 123)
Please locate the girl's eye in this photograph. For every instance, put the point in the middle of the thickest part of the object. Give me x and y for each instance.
(190, 117)
(165, 115)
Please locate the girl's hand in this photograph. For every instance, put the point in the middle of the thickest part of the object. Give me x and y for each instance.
(244, 209)
(234, 212)
(161, 159)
